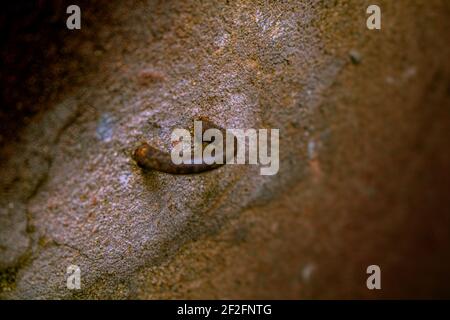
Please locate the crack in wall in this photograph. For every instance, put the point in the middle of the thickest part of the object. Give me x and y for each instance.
(8, 276)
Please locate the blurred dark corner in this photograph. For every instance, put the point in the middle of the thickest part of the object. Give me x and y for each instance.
(35, 55)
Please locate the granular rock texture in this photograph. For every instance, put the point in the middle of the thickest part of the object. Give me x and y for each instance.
(364, 169)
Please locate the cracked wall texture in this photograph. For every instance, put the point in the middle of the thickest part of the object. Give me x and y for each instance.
(364, 168)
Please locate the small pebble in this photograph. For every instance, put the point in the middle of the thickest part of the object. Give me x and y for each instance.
(355, 57)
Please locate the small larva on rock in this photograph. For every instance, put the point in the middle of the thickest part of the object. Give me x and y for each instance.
(150, 158)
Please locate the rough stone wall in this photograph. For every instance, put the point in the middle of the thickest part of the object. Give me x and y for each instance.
(364, 168)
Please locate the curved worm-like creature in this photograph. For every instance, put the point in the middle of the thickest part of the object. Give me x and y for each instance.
(150, 158)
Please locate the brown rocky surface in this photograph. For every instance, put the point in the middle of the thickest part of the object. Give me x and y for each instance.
(364, 164)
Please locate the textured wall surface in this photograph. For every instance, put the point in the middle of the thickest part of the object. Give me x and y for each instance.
(364, 162)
